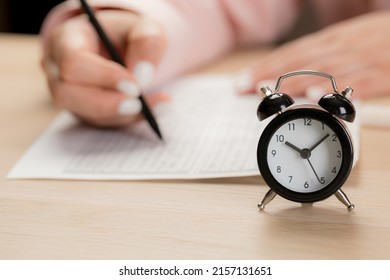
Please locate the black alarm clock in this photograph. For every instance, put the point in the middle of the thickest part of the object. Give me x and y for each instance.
(305, 153)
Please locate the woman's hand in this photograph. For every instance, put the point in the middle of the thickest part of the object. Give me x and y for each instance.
(355, 52)
(83, 79)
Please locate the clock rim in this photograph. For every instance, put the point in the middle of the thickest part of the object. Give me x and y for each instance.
(345, 142)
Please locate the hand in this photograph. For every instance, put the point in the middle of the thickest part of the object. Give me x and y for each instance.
(354, 51)
(315, 173)
(293, 147)
(84, 80)
(319, 142)
(305, 154)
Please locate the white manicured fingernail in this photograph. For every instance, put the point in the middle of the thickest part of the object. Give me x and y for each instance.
(244, 81)
(128, 88)
(52, 69)
(130, 107)
(314, 93)
(144, 72)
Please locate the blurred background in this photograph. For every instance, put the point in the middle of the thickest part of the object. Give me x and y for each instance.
(24, 16)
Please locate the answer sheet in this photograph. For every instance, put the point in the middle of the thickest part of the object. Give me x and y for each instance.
(209, 131)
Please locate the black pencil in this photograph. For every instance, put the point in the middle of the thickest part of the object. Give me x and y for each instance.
(117, 58)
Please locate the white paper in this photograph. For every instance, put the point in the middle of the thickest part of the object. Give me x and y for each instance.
(209, 131)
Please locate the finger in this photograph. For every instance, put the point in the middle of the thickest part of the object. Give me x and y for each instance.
(306, 50)
(146, 47)
(299, 52)
(353, 66)
(89, 69)
(368, 84)
(336, 66)
(51, 69)
(289, 57)
(118, 121)
(268, 69)
(75, 34)
(96, 105)
(332, 61)
(157, 98)
(75, 51)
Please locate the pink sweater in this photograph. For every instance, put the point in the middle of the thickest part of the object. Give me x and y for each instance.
(201, 30)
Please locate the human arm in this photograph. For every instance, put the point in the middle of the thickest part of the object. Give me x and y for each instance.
(179, 35)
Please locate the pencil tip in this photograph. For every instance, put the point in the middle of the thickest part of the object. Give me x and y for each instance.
(160, 135)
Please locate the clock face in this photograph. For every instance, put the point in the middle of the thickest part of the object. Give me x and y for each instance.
(305, 154)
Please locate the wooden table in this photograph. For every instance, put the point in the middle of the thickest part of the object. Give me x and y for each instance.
(185, 219)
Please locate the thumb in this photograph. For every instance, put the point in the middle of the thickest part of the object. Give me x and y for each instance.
(145, 47)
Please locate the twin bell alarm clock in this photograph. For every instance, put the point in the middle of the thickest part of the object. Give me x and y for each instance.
(305, 153)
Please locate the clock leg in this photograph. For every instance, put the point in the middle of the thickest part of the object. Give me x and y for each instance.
(267, 199)
(342, 197)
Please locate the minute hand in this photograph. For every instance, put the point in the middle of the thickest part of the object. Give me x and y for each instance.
(319, 142)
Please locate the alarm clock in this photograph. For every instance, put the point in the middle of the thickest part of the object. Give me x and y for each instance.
(305, 153)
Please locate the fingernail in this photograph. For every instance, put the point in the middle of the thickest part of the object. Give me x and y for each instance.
(314, 93)
(52, 69)
(128, 88)
(244, 81)
(130, 107)
(144, 72)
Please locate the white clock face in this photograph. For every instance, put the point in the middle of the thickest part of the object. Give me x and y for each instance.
(304, 155)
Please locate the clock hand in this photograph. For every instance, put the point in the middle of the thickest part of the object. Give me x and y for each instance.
(319, 142)
(308, 160)
(293, 147)
(304, 153)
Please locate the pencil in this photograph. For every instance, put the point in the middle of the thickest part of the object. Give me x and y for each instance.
(117, 58)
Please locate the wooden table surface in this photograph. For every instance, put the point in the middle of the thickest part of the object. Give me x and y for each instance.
(185, 219)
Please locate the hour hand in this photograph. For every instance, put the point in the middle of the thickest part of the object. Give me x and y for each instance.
(293, 147)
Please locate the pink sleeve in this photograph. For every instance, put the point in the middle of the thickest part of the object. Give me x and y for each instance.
(199, 31)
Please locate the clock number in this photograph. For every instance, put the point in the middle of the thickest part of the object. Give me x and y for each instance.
(279, 169)
(291, 126)
(273, 153)
(322, 180)
(290, 178)
(306, 185)
(307, 122)
(339, 154)
(279, 138)
(323, 126)
(334, 170)
(334, 138)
